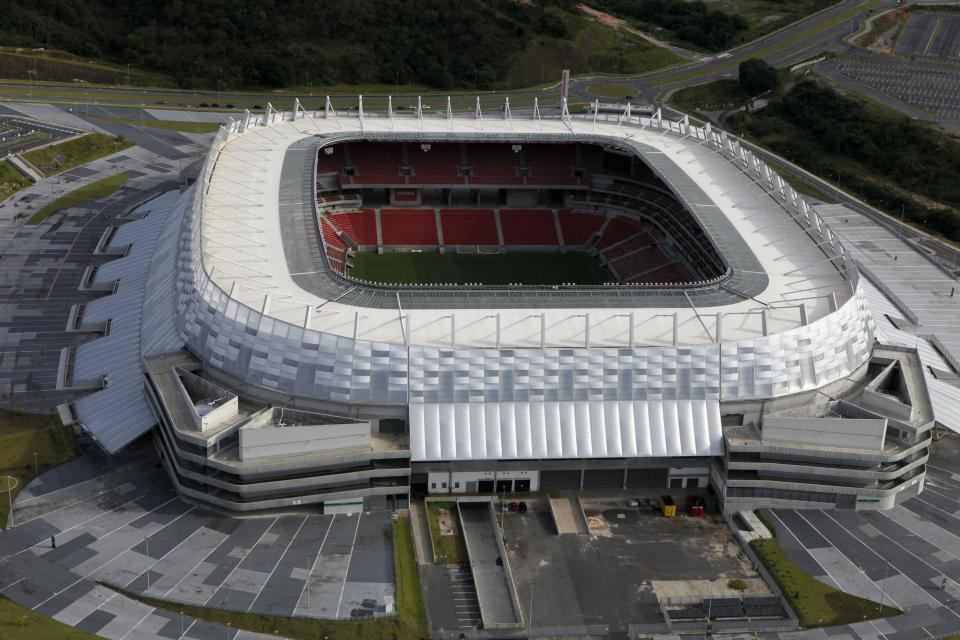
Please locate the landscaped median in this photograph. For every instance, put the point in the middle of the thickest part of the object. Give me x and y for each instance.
(29, 443)
(409, 623)
(447, 538)
(19, 622)
(183, 126)
(64, 156)
(816, 604)
(87, 193)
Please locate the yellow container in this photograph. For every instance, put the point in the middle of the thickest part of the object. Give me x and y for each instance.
(668, 506)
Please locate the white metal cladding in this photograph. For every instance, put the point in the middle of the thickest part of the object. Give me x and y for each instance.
(594, 429)
(286, 357)
(944, 397)
(118, 414)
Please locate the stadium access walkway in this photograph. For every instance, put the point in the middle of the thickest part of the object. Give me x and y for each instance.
(494, 584)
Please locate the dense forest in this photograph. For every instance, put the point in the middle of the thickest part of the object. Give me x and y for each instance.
(267, 43)
(691, 22)
(880, 155)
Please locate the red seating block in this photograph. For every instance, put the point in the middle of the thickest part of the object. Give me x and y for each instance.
(528, 226)
(408, 226)
(469, 226)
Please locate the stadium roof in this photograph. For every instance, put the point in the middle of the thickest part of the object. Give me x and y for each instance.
(252, 201)
(118, 414)
(594, 429)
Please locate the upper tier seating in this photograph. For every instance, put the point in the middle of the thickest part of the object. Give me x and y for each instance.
(361, 226)
(408, 226)
(493, 164)
(375, 163)
(469, 226)
(528, 226)
(551, 163)
(330, 163)
(439, 165)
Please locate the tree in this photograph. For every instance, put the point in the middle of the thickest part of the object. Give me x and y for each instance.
(756, 76)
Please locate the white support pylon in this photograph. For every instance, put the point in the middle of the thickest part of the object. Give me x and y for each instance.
(625, 115)
(596, 110)
(268, 114)
(536, 112)
(479, 113)
(506, 111)
(449, 112)
(296, 109)
(420, 111)
(390, 110)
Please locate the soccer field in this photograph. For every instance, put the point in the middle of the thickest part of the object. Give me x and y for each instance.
(515, 267)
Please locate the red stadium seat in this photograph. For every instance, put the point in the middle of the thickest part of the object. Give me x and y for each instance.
(439, 165)
(577, 227)
(408, 226)
(493, 164)
(528, 226)
(361, 226)
(376, 163)
(469, 226)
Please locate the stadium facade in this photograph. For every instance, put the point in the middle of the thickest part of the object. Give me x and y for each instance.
(772, 357)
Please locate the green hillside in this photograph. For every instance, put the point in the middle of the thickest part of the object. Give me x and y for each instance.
(248, 44)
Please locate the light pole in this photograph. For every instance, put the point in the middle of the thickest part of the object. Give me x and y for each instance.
(883, 585)
(146, 539)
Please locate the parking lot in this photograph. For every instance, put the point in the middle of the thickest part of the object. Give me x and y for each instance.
(908, 556)
(613, 575)
(934, 90)
(934, 35)
(19, 134)
(123, 526)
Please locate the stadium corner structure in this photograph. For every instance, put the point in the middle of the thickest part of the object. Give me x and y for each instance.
(741, 340)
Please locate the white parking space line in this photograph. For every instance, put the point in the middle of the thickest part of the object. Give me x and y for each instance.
(226, 580)
(313, 565)
(148, 614)
(349, 560)
(287, 548)
(90, 573)
(921, 560)
(80, 524)
(22, 501)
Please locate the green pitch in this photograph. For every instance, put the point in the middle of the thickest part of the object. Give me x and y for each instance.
(531, 267)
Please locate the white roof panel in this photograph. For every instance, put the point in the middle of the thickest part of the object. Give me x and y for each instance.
(573, 429)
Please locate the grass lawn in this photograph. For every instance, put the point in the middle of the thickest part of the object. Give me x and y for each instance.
(532, 267)
(169, 125)
(87, 193)
(11, 180)
(410, 623)
(593, 48)
(17, 622)
(22, 435)
(73, 153)
(815, 604)
(620, 91)
(447, 549)
(718, 95)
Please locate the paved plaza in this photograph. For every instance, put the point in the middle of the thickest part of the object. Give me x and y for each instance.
(118, 523)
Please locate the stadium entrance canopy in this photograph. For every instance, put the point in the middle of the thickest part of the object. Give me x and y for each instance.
(554, 430)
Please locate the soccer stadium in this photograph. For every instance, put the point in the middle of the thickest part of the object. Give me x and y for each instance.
(349, 306)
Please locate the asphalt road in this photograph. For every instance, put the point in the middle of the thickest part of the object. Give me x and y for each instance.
(790, 44)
